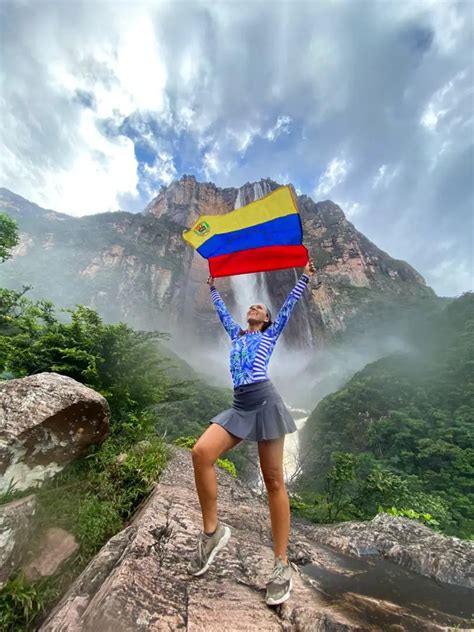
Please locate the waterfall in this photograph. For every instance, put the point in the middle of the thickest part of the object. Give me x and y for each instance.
(292, 452)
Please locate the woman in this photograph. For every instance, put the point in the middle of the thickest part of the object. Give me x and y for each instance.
(257, 414)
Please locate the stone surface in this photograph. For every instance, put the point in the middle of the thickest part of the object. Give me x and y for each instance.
(406, 542)
(55, 547)
(139, 580)
(46, 421)
(15, 530)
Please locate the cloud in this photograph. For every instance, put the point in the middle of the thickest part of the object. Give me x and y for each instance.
(59, 83)
(366, 102)
(334, 175)
(385, 175)
(162, 171)
(282, 126)
(352, 209)
(453, 277)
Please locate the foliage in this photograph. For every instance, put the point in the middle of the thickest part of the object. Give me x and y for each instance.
(190, 415)
(95, 496)
(228, 465)
(8, 236)
(425, 518)
(22, 601)
(407, 423)
(351, 491)
(93, 499)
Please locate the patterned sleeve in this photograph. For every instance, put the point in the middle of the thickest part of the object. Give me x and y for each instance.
(284, 314)
(229, 323)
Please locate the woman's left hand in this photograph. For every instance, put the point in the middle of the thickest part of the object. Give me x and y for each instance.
(309, 268)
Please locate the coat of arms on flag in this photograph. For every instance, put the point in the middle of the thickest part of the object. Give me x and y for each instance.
(264, 235)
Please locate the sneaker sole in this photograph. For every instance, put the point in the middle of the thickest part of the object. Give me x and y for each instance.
(220, 545)
(276, 602)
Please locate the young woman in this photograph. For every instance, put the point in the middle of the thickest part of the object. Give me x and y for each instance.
(258, 414)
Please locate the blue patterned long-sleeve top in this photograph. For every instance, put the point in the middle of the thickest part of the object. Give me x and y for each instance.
(251, 352)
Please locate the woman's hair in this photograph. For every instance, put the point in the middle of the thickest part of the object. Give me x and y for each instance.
(267, 325)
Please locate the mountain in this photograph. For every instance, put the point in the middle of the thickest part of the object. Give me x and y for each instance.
(137, 267)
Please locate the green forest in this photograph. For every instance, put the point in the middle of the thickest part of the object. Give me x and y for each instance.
(399, 434)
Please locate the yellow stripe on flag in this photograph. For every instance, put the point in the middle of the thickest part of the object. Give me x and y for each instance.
(278, 203)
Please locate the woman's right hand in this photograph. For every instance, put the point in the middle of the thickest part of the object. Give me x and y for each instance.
(210, 280)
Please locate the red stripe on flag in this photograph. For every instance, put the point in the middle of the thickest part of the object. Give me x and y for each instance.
(258, 260)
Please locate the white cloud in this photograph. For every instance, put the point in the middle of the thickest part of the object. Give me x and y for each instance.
(59, 98)
(213, 164)
(282, 126)
(334, 175)
(385, 176)
(430, 117)
(352, 209)
(452, 277)
(446, 99)
(243, 138)
(162, 170)
(102, 169)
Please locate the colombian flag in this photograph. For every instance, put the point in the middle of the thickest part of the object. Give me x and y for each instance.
(264, 235)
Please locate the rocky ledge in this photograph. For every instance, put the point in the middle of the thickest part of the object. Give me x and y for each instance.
(406, 542)
(139, 582)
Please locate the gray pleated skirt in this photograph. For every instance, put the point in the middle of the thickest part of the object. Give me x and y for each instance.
(258, 413)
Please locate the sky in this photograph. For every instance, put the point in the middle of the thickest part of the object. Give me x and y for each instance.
(366, 103)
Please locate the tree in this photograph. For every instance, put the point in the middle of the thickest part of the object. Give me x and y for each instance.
(8, 236)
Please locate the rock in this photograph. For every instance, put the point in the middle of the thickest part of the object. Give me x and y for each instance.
(46, 421)
(139, 580)
(15, 530)
(406, 542)
(56, 546)
(122, 457)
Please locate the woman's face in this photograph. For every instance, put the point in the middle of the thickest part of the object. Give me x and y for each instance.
(257, 313)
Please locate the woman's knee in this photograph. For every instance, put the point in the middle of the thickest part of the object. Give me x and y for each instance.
(201, 454)
(274, 482)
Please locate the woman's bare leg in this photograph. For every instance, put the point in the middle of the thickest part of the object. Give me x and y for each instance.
(271, 461)
(209, 447)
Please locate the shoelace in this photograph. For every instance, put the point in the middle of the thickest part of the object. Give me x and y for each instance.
(277, 572)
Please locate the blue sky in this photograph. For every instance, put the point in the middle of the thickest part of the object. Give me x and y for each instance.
(367, 103)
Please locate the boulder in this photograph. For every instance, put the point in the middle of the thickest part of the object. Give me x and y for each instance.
(46, 421)
(54, 548)
(406, 542)
(16, 520)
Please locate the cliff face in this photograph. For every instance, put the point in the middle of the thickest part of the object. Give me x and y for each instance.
(345, 259)
(137, 267)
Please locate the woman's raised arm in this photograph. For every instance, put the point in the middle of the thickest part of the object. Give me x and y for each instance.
(231, 327)
(296, 293)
